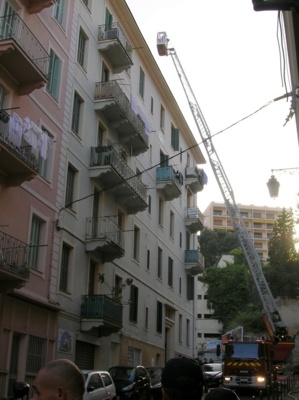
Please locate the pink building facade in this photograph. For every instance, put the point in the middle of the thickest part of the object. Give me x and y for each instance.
(34, 46)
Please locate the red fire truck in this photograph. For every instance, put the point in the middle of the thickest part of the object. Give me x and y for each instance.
(248, 364)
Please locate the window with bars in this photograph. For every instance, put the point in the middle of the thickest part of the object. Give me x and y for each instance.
(64, 267)
(54, 73)
(36, 355)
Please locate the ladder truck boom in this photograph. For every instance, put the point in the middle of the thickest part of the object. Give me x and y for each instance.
(276, 327)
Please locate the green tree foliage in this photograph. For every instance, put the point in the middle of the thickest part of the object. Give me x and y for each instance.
(282, 271)
(213, 244)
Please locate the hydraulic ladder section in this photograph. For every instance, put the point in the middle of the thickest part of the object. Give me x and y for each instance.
(270, 309)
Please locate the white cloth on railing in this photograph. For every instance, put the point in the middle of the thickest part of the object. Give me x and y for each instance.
(15, 129)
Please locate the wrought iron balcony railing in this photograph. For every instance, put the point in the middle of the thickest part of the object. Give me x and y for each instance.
(108, 156)
(14, 256)
(13, 27)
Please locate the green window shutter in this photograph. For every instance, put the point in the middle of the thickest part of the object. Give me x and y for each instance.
(175, 143)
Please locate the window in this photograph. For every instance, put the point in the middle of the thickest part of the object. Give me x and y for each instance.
(136, 243)
(146, 318)
(180, 285)
(162, 118)
(148, 259)
(59, 11)
(181, 239)
(81, 48)
(159, 317)
(133, 303)
(180, 328)
(181, 155)
(86, 2)
(46, 161)
(188, 332)
(70, 186)
(175, 143)
(152, 105)
(190, 287)
(161, 211)
(149, 205)
(105, 73)
(141, 82)
(54, 75)
(76, 113)
(35, 241)
(36, 355)
(64, 268)
(160, 262)
(171, 224)
(170, 272)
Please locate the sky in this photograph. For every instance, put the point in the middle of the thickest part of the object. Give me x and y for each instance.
(232, 59)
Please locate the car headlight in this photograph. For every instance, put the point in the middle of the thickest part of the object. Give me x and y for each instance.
(261, 379)
(227, 379)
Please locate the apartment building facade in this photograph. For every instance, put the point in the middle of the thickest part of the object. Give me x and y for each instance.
(259, 222)
(99, 182)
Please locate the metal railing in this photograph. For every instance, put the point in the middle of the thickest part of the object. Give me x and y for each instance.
(107, 155)
(115, 32)
(105, 228)
(194, 256)
(167, 174)
(13, 27)
(111, 90)
(101, 307)
(194, 213)
(14, 255)
(25, 151)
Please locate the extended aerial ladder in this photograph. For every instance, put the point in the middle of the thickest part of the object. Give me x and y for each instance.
(273, 321)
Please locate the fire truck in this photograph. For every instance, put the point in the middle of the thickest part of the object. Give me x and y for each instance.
(281, 343)
(248, 364)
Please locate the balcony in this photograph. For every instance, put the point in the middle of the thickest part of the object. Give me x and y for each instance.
(109, 169)
(169, 182)
(194, 220)
(115, 47)
(104, 238)
(101, 314)
(18, 163)
(194, 262)
(21, 55)
(36, 6)
(114, 106)
(14, 271)
(195, 178)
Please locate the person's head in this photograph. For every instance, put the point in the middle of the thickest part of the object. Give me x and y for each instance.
(182, 378)
(221, 393)
(58, 380)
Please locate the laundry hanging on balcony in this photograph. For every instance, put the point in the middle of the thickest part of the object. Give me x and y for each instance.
(22, 132)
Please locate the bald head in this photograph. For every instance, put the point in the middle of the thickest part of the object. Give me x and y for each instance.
(59, 380)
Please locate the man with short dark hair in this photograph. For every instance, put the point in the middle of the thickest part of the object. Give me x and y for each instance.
(182, 379)
(58, 380)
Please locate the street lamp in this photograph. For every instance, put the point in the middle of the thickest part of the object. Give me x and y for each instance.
(273, 184)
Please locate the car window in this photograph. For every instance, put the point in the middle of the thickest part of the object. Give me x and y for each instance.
(96, 381)
(107, 379)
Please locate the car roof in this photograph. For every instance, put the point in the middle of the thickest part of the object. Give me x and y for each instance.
(88, 371)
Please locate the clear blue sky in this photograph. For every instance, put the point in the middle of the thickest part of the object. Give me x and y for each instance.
(230, 54)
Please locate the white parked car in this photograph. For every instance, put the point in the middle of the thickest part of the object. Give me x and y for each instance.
(98, 386)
